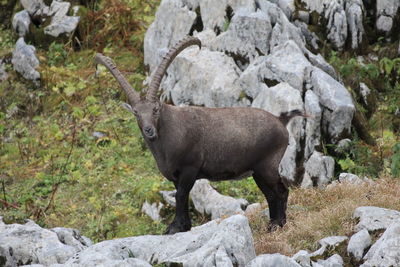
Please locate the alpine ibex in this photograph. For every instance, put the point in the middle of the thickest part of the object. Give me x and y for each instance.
(191, 143)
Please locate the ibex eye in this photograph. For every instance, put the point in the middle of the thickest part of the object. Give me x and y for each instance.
(155, 111)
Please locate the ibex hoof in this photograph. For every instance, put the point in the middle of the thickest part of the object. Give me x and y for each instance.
(174, 228)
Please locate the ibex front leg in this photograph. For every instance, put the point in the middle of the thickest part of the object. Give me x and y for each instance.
(181, 222)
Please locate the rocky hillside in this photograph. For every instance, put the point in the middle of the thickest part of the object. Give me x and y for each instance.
(72, 157)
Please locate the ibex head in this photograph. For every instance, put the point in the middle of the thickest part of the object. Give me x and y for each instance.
(147, 110)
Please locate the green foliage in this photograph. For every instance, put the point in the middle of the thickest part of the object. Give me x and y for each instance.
(56, 54)
(395, 165)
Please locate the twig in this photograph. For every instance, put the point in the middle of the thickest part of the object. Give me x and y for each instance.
(7, 204)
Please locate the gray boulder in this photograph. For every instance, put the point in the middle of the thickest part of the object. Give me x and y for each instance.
(313, 124)
(330, 243)
(358, 243)
(152, 210)
(29, 243)
(21, 22)
(25, 61)
(333, 261)
(374, 218)
(172, 22)
(218, 243)
(272, 260)
(35, 8)
(319, 170)
(207, 200)
(169, 197)
(350, 178)
(355, 17)
(336, 101)
(61, 23)
(192, 79)
(277, 99)
(385, 251)
(303, 258)
(386, 11)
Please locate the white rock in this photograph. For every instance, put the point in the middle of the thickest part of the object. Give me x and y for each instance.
(35, 7)
(25, 61)
(336, 101)
(172, 22)
(386, 251)
(192, 79)
(319, 169)
(228, 242)
(313, 124)
(310, 37)
(350, 178)
(355, 17)
(303, 258)
(207, 200)
(365, 92)
(31, 244)
(60, 22)
(386, 11)
(374, 218)
(330, 242)
(169, 197)
(246, 35)
(253, 209)
(358, 243)
(152, 210)
(21, 22)
(343, 146)
(277, 99)
(333, 261)
(272, 260)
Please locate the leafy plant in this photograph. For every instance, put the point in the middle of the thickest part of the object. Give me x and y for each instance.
(395, 165)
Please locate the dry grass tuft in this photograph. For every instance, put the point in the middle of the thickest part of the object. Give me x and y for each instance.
(317, 213)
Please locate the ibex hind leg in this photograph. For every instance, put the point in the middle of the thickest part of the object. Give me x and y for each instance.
(276, 194)
(181, 222)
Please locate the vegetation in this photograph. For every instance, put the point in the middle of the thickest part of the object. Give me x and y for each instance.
(71, 156)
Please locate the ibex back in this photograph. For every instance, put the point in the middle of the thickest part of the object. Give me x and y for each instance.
(191, 143)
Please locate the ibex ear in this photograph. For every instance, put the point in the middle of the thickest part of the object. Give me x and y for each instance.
(127, 107)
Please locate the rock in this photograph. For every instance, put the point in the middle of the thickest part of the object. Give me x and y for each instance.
(343, 146)
(303, 258)
(172, 22)
(272, 260)
(313, 124)
(35, 8)
(365, 92)
(386, 251)
(337, 104)
(333, 261)
(355, 17)
(374, 218)
(60, 22)
(3, 73)
(386, 11)
(31, 244)
(152, 210)
(169, 197)
(319, 62)
(350, 178)
(310, 37)
(217, 243)
(245, 36)
(358, 243)
(252, 209)
(330, 243)
(319, 169)
(25, 61)
(99, 135)
(21, 22)
(282, 98)
(207, 200)
(192, 79)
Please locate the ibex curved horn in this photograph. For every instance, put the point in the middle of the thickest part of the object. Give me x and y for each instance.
(168, 58)
(133, 96)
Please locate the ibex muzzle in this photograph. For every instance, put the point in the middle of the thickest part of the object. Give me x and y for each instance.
(190, 143)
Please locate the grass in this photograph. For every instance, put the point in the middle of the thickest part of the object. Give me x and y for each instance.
(317, 213)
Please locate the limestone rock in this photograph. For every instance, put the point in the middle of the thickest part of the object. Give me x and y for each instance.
(169, 197)
(31, 244)
(60, 22)
(374, 218)
(25, 61)
(282, 98)
(313, 124)
(215, 243)
(319, 169)
(35, 8)
(355, 17)
(337, 104)
(272, 260)
(253, 209)
(207, 200)
(333, 261)
(152, 210)
(385, 251)
(350, 178)
(192, 79)
(21, 22)
(303, 258)
(386, 11)
(358, 243)
(330, 242)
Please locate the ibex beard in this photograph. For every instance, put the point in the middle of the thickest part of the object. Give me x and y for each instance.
(190, 143)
